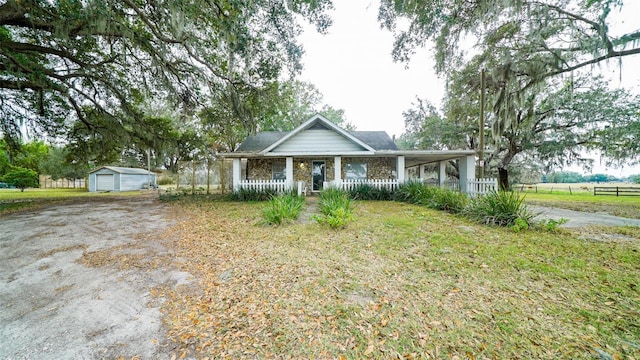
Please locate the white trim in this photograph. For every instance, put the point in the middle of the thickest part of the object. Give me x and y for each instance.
(237, 174)
(400, 169)
(312, 121)
(289, 170)
(337, 170)
(319, 154)
(442, 173)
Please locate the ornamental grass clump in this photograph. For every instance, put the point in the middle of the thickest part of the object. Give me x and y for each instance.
(453, 202)
(253, 195)
(412, 192)
(368, 192)
(335, 208)
(501, 208)
(282, 209)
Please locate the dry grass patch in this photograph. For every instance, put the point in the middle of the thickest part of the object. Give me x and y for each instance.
(399, 282)
(52, 252)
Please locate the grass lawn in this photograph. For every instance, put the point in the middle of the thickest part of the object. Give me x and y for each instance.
(625, 206)
(12, 200)
(400, 281)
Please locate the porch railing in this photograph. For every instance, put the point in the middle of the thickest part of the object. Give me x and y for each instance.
(348, 185)
(448, 184)
(474, 186)
(262, 185)
(477, 187)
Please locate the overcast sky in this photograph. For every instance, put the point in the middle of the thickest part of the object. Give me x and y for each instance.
(352, 67)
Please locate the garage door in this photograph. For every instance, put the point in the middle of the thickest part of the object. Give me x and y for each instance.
(104, 182)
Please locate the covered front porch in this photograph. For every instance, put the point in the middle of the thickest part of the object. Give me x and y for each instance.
(389, 169)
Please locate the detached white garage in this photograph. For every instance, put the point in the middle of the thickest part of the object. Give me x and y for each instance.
(114, 178)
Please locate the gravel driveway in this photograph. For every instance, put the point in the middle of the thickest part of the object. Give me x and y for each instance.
(581, 219)
(75, 280)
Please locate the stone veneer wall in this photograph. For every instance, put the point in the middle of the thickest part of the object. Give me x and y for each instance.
(261, 169)
(377, 168)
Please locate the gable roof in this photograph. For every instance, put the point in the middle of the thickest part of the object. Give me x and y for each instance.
(378, 140)
(260, 141)
(313, 122)
(266, 141)
(124, 170)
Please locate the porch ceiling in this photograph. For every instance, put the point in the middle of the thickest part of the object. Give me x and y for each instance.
(412, 157)
(420, 157)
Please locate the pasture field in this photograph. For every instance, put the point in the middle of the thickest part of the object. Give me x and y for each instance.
(581, 198)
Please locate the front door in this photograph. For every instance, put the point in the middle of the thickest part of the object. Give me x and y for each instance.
(317, 175)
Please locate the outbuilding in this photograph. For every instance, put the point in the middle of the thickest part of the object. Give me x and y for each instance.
(114, 178)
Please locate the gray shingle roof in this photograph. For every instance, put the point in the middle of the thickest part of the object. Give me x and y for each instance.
(260, 141)
(125, 170)
(378, 140)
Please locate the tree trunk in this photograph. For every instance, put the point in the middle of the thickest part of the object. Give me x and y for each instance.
(503, 179)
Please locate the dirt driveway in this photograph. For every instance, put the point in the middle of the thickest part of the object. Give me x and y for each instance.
(75, 280)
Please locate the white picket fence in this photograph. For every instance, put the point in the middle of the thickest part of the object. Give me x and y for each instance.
(389, 184)
(477, 187)
(262, 185)
(448, 184)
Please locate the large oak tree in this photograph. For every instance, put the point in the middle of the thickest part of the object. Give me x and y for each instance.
(60, 59)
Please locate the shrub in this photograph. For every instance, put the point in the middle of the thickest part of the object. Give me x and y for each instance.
(253, 195)
(283, 208)
(446, 200)
(165, 180)
(432, 197)
(411, 192)
(501, 208)
(336, 208)
(368, 192)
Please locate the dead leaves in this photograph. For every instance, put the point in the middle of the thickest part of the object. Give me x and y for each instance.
(295, 293)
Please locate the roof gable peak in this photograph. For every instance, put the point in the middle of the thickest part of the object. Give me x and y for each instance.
(318, 122)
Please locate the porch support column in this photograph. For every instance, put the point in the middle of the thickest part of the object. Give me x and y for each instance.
(467, 167)
(400, 169)
(236, 173)
(442, 173)
(337, 171)
(289, 172)
(423, 173)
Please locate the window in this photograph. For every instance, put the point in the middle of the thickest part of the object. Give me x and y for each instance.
(278, 171)
(356, 171)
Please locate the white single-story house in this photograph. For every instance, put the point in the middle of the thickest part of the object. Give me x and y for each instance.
(114, 178)
(319, 153)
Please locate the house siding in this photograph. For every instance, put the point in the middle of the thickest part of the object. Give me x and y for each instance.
(318, 141)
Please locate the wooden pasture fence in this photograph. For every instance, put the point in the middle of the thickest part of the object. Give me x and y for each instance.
(616, 190)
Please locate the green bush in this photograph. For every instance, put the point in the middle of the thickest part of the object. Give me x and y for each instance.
(368, 192)
(283, 208)
(411, 192)
(253, 195)
(432, 197)
(501, 208)
(165, 180)
(446, 200)
(336, 208)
